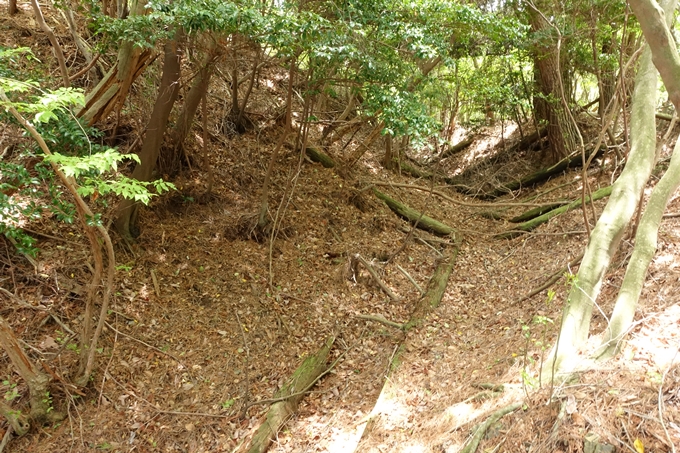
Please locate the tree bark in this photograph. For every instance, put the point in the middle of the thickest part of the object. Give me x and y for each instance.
(193, 98)
(647, 233)
(653, 21)
(12, 10)
(609, 229)
(291, 394)
(413, 216)
(562, 135)
(111, 91)
(155, 131)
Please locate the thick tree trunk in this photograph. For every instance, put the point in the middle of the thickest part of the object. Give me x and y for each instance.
(111, 91)
(609, 229)
(155, 131)
(549, 104)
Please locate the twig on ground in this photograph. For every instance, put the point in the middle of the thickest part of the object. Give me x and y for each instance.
(380, 319)
(155, 283)
(6, 438)
(377, 279)
(408, 276)
(145, 344)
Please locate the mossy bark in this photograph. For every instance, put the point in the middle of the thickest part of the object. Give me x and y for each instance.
(535, 222)
(316, 155)
(421, 221)
(293, 391)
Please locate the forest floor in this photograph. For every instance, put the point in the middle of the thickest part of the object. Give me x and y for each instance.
(232, 317)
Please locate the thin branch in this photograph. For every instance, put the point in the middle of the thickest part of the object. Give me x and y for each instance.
(408, 276)
(145, 344)
(377, 279)
(380, 319)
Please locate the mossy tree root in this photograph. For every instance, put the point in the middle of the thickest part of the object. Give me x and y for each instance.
(534, 223)
(423, 222)
(291, 393)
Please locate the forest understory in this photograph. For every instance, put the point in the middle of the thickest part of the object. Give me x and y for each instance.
(211, 315)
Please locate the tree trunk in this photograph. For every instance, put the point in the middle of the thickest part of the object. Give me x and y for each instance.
(36, 381)
(388, 159)
(660, 39)
(262, 219)
(193, 99)
(549, 104)
(155, 131)
(647, 233)
(12, 7)
(111, 91)
(609, 229)
(643, 252)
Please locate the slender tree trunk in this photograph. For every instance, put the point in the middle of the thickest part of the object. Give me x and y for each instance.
(36, 381)
(388, 158)
(193, 99)
(12, 7)
(609, 229)
(643, 252)
(155, 131)
(53, 40)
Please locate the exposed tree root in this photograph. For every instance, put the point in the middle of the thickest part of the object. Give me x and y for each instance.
(423, 222)
(543, 174)
(290, 396)
(431, 300)
(483, 428)
(316, 155)
(534, 223)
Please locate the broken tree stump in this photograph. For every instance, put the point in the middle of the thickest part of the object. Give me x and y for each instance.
(423, 222)
(291, 394)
